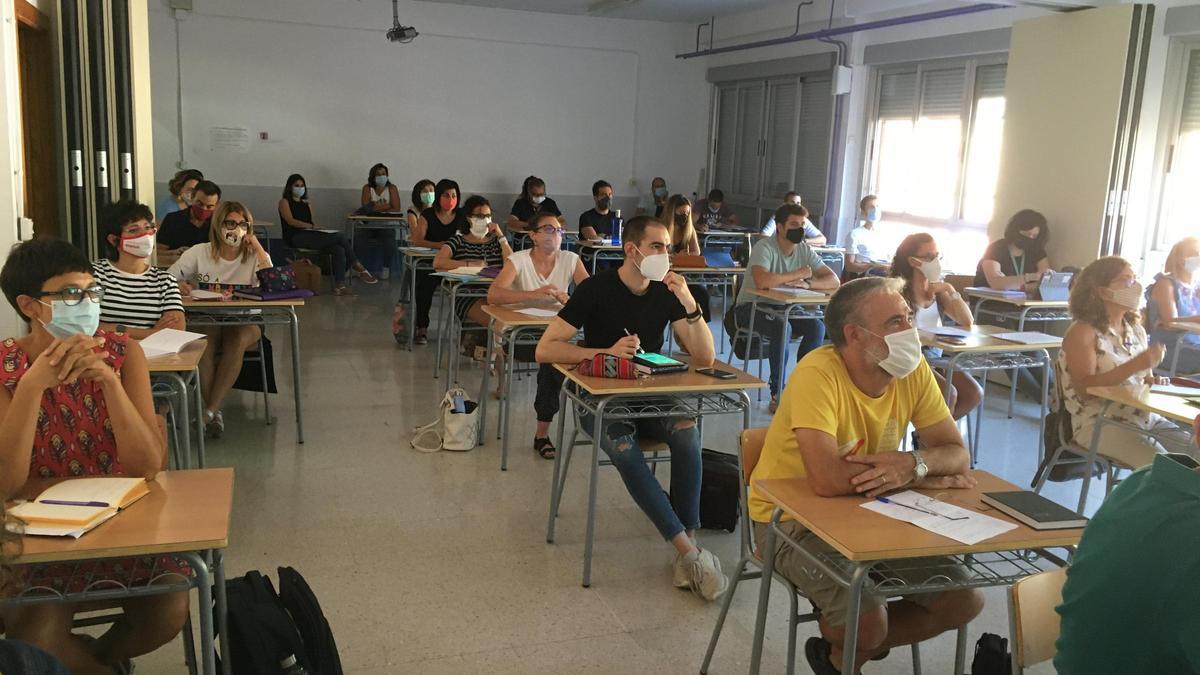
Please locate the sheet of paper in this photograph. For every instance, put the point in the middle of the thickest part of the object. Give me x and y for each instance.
(328, 231)
(984, 290)
(1173, 390)
(201, 294)
(947, 331)
(909, 506)
(803, 292)
(168, 341)
(64, 530)
(1027, 337)
(538, 311)
(465, 271)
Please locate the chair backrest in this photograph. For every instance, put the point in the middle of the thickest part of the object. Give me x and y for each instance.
(1035, 622)
(750, 445)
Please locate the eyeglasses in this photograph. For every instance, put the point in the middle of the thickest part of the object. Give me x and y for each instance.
(551, 229)
(73, 296)
(235, 224)
(483, 216)
(139, 231)
(929, 258)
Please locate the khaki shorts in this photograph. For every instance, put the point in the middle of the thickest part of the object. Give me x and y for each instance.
(828, 595)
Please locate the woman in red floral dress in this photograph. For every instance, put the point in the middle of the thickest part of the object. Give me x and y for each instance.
(76, 402)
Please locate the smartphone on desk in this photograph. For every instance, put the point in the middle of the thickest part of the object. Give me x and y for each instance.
(719, 374)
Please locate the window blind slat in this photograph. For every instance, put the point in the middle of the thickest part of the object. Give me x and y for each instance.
(897, 94)
(750, 110)
(812, 155)
(726, 135)
(781, 138)
(1189, 120)
(989, 81)
(942, 92)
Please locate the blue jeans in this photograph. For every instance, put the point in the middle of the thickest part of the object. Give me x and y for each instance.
(619, 440)
(810, 331)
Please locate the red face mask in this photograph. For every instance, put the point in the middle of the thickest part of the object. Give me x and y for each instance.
(448, 203)
(201, 212)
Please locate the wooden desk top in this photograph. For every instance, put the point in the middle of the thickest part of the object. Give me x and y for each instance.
(1185, 326)
(979, 342)
(383, 215)
(508, 317)
(1172, 407)
(413, 252)
(863, 535)
(784, 298)
(185, 511)
(598, 246)
(183, 362)
(709, 270)
(688, 381)
(240, 303)
(1018, 302)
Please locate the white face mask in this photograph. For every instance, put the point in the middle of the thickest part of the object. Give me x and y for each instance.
(234, 237)
(1192, 264)
(904, 352)
(479, 227)
(1127, 297)
(655, 267)
(538, 199)
(931, 269)
(139, 247)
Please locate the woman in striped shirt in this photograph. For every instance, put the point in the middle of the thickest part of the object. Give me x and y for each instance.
(142, 298)
(482, 245)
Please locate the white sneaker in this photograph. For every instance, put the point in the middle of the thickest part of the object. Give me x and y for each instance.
(682, 572)
(387, 272)
(706, 578)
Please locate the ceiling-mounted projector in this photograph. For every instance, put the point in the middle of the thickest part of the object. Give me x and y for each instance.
(398, 33)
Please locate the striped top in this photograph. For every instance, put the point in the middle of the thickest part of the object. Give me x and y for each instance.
(489, 251)
(136, 300)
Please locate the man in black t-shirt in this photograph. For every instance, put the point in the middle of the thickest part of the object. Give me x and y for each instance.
(533, 200)
(619, 312)
(597, 223)
(189, 227)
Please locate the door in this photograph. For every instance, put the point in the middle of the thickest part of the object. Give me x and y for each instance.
(1068, 139)
(35, 51)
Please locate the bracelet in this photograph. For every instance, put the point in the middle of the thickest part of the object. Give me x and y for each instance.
(694, 315)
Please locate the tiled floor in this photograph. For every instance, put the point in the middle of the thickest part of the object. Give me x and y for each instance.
(438, 563)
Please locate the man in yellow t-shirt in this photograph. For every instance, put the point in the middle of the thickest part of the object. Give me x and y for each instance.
(840, 422)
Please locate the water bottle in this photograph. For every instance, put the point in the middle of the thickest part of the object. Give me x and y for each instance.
(290, 666)
(617, 224)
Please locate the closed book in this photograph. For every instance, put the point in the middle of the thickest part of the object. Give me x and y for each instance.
(1034, 510)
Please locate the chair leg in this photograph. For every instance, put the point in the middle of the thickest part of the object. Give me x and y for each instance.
(262, 367)
(916, 658)
(793, 621)
(726, 601)
(189, 645)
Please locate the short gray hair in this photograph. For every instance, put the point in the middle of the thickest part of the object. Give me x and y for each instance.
(846, 301)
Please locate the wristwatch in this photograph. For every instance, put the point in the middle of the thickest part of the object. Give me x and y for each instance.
(921, 469)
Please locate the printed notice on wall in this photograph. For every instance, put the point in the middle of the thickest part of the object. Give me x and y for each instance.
(229, 139)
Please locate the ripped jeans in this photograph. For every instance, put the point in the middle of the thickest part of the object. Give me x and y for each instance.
(619, 439)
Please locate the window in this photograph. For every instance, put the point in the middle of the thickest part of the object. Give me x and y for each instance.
(1177, 212)
(935, 153)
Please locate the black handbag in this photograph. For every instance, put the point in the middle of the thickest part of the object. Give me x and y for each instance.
(720, 490)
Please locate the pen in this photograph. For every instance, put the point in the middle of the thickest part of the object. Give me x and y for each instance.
(63, 502)
(885, 500)
(639, 347)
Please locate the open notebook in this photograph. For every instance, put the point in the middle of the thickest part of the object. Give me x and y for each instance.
(75, 506)
(168, 341)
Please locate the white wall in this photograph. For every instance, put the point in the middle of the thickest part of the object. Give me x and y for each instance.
(483, 96)
(11, 161)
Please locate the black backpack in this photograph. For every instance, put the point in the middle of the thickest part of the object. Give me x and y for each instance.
(991, 656)
(719, 491)
(261, 632)
(320, 650)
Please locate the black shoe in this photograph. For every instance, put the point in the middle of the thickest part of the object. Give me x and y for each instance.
(816, 650)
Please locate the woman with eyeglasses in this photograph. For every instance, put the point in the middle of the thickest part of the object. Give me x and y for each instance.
(139, 299)
(232, 258)
(919, 264)
(299, 231)
(75, 401)
(539, 275)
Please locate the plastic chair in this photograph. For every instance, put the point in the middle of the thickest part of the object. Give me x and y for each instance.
(1033, 623)
(751, 444)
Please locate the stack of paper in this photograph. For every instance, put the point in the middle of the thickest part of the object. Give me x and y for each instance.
(75, 506)
(466, 271)
(201, 294)
(802, 292)
(984, 290)
(538, 312)
(168, 341)
(1028, 338)
(948, 520)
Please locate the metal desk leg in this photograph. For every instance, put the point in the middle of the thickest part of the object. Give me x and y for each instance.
(750, 343)
(597, 426)
(412, 305)
(483, 386)
(1045, 406)
(181, 387)
(202, 460)
(443, 330)
(960, 650)
(558, 459)
(949, 375)
(222, 609)
(296, 390)
(1012, 392)
(505, 405)
(204, 600)
(764, 594)
(853, 608)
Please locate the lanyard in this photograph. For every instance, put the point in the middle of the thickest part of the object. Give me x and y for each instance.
(1020, 269)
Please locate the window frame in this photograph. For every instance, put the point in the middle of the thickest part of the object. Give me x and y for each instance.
(870, 163)
(1159, 241)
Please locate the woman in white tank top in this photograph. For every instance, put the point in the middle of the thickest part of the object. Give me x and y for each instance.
(919, 264)
(375, 246)
(540, 275)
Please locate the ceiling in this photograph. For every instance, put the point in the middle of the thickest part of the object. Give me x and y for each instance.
(685, 11)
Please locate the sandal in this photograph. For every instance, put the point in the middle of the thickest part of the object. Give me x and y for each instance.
(399, 328)
(366, 276)
(343, 290)
(544, 448)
